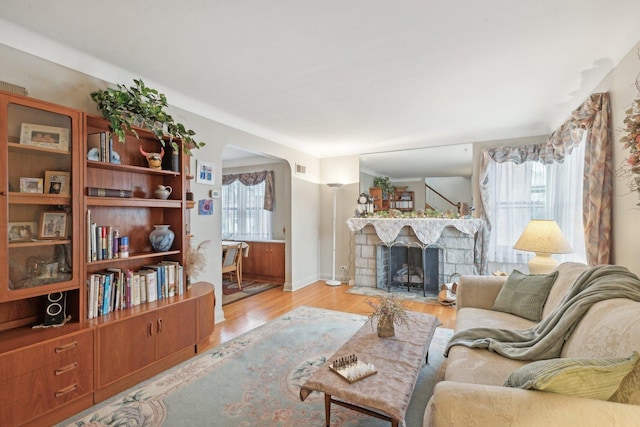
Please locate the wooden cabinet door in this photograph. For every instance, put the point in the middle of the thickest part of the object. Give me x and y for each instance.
(125, 346)
(262, 259)
(175, 328)
(205, 318)
(277, 262)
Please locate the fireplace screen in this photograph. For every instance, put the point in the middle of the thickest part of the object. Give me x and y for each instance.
(411, 266)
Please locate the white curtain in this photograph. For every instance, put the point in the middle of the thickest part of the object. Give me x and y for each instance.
(533, 190)
(243, 213)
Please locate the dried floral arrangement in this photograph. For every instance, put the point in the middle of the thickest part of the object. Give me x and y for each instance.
(195, 259)
(631, 140)
(388, 307)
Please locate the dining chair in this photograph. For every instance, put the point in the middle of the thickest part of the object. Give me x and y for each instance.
(231, 262)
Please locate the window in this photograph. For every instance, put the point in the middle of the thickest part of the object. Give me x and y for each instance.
(533, 190)
(243, 213)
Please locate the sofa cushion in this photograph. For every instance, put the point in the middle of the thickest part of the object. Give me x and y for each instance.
(469, 317)
(524, 295)
(479, 366)
(592, 378)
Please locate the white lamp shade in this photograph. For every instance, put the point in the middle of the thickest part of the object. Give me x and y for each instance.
(543, 237)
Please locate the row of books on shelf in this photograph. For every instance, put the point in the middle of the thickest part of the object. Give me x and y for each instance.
(101, 147)
(116, 289)
(105, 242)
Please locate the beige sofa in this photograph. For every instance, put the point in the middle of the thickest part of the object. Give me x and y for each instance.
(472, 393)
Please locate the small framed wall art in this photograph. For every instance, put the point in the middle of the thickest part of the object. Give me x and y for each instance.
(205, 172)
(56, 182)
(205, 207)
(51, 137)
(53, 225)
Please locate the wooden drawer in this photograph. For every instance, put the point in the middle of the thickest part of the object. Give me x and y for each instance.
(35, 389)
(55, 352)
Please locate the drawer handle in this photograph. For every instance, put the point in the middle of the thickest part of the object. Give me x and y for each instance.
(159, 325)
(66, 347)
(66, 390)
(150, 329)
(67, 368)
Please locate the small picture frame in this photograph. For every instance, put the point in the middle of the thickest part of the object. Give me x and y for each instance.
(53, 225)
(22, 231)
(51, 137)
(57, 182)
(30, 185)
(205, 172)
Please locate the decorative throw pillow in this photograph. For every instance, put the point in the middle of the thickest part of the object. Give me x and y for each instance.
(629, 390)
(592, 378)
(524, 295)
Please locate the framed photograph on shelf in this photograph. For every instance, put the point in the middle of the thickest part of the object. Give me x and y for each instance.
(56, 182)
(30, 185)
(51, 137)
(21, 231)
(53, 225)
(205, 173)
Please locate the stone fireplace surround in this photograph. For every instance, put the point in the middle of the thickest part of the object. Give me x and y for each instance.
(456, 237)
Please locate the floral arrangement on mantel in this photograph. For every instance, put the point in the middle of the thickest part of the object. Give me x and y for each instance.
(426, 213)
(631, 141)
(388, 311)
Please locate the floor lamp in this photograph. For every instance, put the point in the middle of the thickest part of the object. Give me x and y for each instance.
(333, 281)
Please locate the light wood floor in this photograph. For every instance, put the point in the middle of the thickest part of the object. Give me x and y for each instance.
(244, 315)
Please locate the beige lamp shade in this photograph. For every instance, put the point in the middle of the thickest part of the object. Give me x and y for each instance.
(543, 237)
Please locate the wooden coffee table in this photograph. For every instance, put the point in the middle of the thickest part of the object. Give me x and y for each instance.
(397, 359)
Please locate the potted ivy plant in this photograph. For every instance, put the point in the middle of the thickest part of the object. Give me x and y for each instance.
(139, 106)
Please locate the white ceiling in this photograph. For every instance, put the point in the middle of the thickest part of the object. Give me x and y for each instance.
(334, 78)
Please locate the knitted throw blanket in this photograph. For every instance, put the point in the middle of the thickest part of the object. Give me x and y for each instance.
(545, 340)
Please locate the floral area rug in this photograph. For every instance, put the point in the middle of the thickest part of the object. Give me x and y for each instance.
(231, 292)
(255, 379)
(398, 292)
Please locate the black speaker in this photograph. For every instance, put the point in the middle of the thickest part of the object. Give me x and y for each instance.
(55, 309)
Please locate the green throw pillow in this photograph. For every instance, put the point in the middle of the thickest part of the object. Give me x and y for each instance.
(524, 295)
(592, 378)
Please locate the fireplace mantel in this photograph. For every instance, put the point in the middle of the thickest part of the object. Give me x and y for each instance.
(427, 230)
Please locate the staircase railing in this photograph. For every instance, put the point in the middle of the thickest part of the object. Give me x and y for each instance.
(435, 200)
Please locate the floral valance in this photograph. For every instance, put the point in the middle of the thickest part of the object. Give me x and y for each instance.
(254, 178)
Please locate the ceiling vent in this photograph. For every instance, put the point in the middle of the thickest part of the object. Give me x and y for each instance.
(301, 169)
(8, 87)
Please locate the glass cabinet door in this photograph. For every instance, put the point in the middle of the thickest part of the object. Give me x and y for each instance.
(39, 185)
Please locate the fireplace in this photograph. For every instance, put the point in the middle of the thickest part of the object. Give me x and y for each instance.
(409, 265)
(455, 240)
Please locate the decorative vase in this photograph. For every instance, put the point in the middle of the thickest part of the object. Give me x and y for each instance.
(385, 326)
(161, 238)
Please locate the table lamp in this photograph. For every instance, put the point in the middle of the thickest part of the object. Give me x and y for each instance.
(545, 238)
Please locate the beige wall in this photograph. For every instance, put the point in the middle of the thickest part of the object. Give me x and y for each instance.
(620, 84)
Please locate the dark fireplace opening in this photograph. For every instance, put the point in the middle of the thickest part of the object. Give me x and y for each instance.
(410, 266)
